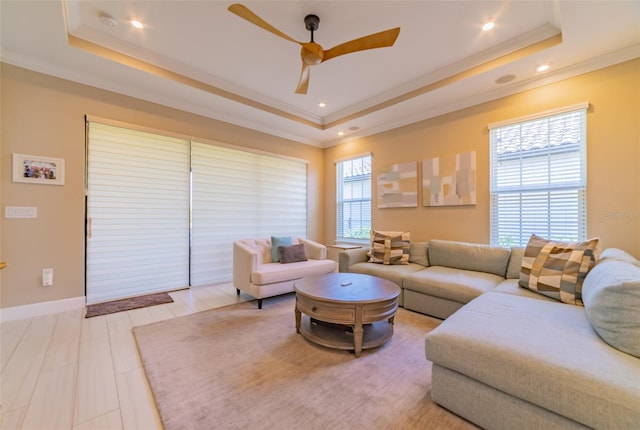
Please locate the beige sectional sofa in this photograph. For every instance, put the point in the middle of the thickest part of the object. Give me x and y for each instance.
(442, 276)
(507, 357)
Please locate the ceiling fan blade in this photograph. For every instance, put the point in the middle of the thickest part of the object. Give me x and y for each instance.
(303, 83)
(376, 40)
(244, 13)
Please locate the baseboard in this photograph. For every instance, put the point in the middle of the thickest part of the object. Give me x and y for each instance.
(43, 308)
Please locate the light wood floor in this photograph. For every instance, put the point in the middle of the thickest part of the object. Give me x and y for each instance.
(64, 371)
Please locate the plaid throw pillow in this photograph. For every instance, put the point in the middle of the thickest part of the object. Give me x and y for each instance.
(557, 269)
(389, 247)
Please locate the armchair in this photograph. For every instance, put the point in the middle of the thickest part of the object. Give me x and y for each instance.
(255, 273)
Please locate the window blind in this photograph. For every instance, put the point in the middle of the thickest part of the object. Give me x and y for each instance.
(353, 192)
(538, 179)
(237, 195)
(138, 213)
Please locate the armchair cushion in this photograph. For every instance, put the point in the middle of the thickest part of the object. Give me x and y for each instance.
(275, 272)
(291, 253)
(276, 243)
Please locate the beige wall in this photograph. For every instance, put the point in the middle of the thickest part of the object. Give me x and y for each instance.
(613, 157)
(43, 115)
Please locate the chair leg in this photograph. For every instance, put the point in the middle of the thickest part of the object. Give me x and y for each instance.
(259, 303)
(238, 291)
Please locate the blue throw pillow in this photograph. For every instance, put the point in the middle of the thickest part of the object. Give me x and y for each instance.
(277, 242)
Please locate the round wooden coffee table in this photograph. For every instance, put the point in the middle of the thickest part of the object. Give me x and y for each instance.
(346, 310)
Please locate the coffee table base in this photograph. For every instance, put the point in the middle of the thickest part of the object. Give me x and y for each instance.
(337, 337)
(364, 304)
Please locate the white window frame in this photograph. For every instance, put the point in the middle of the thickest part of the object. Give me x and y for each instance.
(360, 233)
(539, 177)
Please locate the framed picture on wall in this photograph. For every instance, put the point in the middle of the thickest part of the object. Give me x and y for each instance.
(35, 169)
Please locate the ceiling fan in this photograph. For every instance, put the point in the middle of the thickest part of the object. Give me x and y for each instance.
(311, 52)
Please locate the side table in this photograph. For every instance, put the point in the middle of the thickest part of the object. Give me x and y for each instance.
(334, 250)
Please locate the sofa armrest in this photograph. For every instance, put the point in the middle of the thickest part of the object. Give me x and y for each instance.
(314, 250)
(350, 257)
(245, 261)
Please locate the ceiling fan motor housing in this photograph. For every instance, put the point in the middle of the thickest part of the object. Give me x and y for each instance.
(311, 23)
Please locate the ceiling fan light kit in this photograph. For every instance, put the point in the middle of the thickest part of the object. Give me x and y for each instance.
(311, 52)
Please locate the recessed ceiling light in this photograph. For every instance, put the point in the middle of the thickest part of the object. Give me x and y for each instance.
(108, 19)
(137, 24)
(341, 133)
(542, 68)
(488, 26)
(506, 78)
(322, 104)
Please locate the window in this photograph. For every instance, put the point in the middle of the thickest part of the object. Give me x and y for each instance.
(353, 190)
(538, 178)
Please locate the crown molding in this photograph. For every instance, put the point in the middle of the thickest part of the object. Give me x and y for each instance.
(591, 65)
(526, 44)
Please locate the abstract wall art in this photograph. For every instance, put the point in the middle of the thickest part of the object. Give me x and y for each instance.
(449, 180)
(398, 187)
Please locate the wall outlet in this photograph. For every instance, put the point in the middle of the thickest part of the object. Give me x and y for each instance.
(47, 277)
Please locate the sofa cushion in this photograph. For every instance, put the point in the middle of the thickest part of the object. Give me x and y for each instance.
(557, 269)
(277, 242)
(543, 352)
(389, 247)
(618, 254)
(510, 286)
(418, 253)
(291, 253)
(469, 256)
(393, 273)
(453, 284)
(515, 262)
(611, 295)
(276, 272)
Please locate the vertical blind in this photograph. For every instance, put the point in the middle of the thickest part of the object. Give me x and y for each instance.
(138, 213)
(353, 192)
(538, 179)
(163, 212)
(237, 195)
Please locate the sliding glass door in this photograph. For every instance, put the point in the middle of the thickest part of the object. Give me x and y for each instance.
(163, 212)
(137, 213)
(237, 195)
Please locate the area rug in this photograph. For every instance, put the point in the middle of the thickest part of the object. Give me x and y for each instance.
(127, 304)
(239, 367)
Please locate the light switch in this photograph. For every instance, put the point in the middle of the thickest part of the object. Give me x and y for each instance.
(47, 277)
(20, 212)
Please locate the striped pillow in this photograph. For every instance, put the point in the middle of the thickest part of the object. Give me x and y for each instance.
(557, 269)
(389, 247)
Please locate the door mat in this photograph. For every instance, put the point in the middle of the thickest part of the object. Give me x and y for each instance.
(127, 304)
